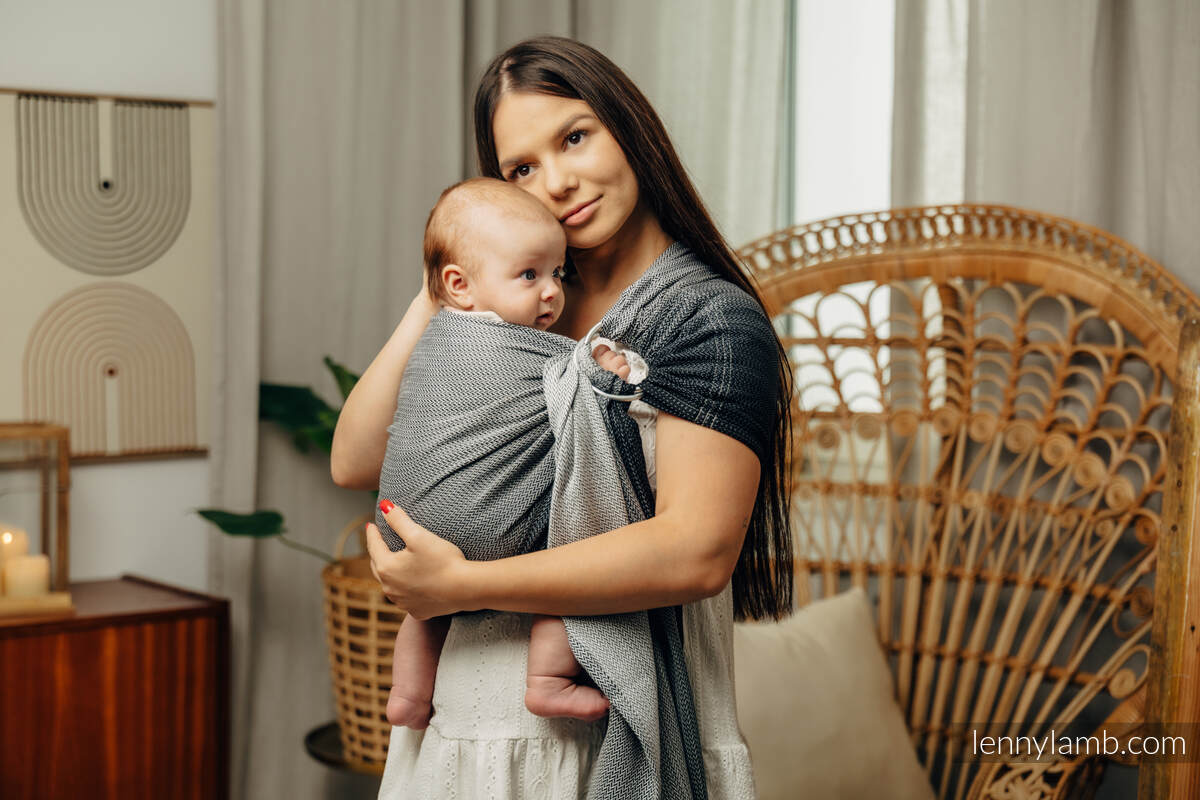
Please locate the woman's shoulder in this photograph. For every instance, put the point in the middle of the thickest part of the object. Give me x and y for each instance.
(696, 296)
(715, 357)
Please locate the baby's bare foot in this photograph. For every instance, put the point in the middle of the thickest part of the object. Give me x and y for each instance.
(408, 712)
(552, 696)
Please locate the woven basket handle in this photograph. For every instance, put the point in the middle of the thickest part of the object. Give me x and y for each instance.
(357, 524)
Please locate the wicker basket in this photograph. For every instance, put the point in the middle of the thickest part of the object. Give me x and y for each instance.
(360, 627)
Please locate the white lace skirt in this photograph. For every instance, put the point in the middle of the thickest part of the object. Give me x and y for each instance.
(482, 742)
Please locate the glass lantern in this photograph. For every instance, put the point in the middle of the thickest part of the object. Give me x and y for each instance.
(35, 490)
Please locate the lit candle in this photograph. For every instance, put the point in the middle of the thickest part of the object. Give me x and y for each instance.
(26, 576)
(13, 542)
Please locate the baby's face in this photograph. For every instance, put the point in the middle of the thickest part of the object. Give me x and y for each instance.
(518, 273)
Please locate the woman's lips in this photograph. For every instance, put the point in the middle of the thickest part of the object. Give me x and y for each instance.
(582, 215)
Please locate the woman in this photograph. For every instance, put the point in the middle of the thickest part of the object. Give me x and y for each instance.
(559, 120)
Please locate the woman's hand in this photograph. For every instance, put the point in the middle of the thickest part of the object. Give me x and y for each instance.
(422, 578)
(426, 303)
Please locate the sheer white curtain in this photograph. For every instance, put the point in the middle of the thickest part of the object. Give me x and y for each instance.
(841, 135)
(340, 123)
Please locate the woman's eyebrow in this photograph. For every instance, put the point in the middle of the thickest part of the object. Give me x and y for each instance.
(562, 131)
(565, 128)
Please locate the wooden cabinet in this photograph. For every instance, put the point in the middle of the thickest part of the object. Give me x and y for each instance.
(129, 698)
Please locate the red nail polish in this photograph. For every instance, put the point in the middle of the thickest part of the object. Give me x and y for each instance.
(386, 506)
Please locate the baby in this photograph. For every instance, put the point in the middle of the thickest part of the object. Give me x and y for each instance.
(492, 249)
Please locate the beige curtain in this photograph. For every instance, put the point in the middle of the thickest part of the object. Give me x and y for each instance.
(714, 72)
(340, 123)
(334, 119)
(233, 454)
(1089, 109)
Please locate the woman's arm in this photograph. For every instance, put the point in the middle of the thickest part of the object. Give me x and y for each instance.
(707, 483)
(360, 438)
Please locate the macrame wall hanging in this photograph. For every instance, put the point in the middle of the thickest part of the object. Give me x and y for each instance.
(106, 246)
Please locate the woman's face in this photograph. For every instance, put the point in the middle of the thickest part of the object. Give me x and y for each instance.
(556, 149)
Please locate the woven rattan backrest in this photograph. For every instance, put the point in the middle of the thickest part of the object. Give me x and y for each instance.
(980, 427)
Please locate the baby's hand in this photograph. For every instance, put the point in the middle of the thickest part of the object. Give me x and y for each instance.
(612, 361)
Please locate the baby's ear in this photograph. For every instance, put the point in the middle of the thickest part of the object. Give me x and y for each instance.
(454, 279)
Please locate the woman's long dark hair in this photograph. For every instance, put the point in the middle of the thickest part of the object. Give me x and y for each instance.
(763, 579)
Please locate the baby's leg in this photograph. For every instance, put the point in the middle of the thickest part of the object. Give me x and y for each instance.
(552, 687)
(414, 666)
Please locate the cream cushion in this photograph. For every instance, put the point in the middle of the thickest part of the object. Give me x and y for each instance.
(815, 703)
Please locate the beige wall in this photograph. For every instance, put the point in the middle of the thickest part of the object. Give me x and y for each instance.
(127, 517)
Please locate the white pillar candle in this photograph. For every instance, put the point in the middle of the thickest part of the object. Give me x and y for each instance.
(26, 576)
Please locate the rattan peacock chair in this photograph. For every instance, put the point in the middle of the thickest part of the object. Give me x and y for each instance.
(981, 415)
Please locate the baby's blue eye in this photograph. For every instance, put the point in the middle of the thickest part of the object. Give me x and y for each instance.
(560, 273)
(529, 275)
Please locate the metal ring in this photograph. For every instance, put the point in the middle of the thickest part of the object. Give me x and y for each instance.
(624, 398)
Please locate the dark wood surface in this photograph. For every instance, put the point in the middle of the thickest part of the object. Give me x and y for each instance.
(127, 698)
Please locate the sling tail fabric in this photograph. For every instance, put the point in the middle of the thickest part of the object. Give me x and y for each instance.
(500, 436)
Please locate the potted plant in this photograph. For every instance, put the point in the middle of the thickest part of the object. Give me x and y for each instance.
(311, 421)
(360, 623)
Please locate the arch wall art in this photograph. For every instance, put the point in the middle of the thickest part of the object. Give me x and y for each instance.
(115, 364)
(103, 186)
(107, 225)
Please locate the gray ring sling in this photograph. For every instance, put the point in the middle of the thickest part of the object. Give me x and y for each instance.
(508, 439)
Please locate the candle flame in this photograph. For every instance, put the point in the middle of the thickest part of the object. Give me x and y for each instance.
(7, 537)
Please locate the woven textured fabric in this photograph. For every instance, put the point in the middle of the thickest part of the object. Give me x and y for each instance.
(711, 353)
(500, 445)
(469, 453)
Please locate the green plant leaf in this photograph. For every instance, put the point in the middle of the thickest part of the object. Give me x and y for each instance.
(300, 412)
(258, 523)
(344, 377)
(320, 435)
(291, 407)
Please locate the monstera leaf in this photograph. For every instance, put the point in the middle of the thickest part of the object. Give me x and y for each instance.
(301, 412)
(258, 524)
(344, 377)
